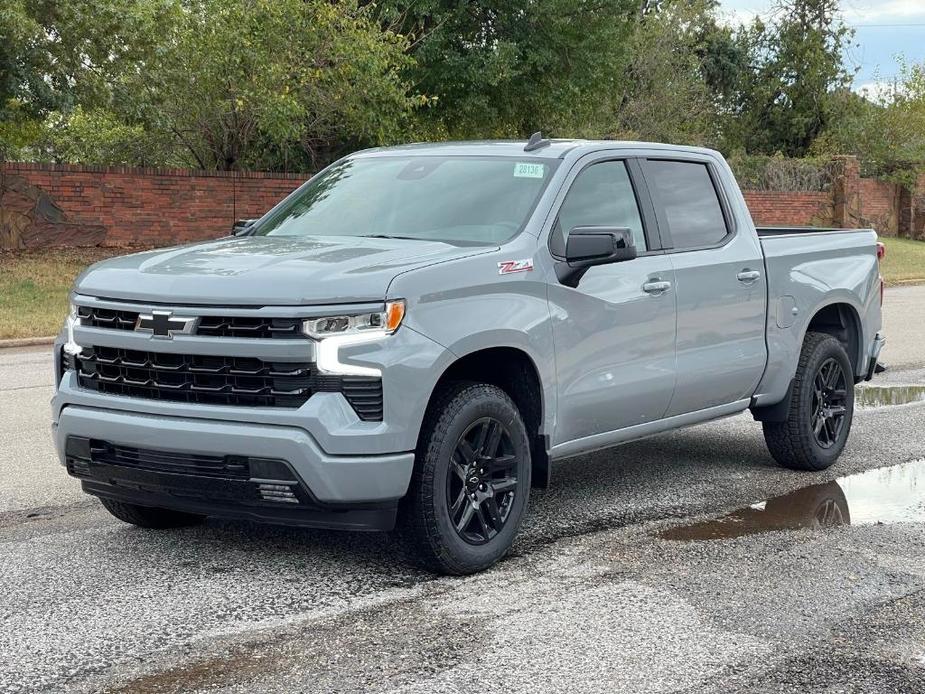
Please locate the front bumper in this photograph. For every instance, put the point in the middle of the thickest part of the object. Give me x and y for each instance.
(332, 486)
(337, 458)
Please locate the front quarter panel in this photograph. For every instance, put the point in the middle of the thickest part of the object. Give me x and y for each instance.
(468, 305)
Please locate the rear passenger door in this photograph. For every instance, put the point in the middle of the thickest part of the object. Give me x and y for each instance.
(721, 288)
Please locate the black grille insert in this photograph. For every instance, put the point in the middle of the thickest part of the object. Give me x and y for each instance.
(107, 318)
(220, 380)
(240, 326)
(209, 326)
(225, 467)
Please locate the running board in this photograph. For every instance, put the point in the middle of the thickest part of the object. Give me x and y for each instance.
(596, 442)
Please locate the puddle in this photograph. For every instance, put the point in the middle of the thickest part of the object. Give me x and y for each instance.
(886, 495)
(880, 396)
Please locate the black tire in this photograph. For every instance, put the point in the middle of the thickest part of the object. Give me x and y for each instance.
(148, 517)
(457, 415)
(795, 443)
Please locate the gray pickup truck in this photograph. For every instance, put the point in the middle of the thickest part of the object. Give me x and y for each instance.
(417, 332)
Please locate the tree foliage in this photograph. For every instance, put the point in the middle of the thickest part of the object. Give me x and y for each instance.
(292, 84)
(886, 129)
(503, 68)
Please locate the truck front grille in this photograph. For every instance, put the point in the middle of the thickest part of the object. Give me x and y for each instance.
(220, 380)
(209, 326)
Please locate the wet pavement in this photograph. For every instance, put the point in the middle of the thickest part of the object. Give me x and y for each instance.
(893, 494)
(828, 596)
(882, 396)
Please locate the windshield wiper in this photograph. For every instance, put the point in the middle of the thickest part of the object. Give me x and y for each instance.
(390, 236)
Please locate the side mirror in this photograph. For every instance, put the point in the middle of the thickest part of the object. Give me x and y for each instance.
(240, 226)
(589, 246)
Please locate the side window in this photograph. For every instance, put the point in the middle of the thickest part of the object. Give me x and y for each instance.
(685, 191)
(601, 195)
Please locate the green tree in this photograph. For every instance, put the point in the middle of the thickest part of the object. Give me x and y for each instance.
(505, 68)
(797, 64)
(208, 83)
(272, 83)
(665, 90)
(885, 129)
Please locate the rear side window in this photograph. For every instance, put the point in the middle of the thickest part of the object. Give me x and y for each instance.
(685, 191)
(602, 195)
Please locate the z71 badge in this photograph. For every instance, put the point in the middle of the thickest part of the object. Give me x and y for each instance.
(507, 267)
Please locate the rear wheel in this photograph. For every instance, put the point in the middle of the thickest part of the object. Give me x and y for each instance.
(148, 517)
(821, 408)
(471, 481)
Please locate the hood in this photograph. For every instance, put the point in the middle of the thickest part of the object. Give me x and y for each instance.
(266, 270)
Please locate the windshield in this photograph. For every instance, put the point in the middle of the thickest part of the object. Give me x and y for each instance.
(459, 200)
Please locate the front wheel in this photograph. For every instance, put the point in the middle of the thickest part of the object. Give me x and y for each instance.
(471, 481)
(821, 408)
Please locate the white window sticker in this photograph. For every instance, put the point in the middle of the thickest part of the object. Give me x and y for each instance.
(524, 169)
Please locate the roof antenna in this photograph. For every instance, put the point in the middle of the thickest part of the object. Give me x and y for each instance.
(536, 142)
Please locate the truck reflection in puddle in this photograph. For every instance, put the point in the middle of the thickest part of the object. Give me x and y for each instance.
(885, 495)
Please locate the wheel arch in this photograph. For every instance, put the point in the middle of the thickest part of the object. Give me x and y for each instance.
(515, 372)
(841, 320)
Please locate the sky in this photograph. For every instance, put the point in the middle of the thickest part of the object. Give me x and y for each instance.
(883, 29)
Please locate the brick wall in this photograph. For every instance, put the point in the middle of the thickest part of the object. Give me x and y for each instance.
(55, 205)
(790, 209)
(880, 203)
(43, 204)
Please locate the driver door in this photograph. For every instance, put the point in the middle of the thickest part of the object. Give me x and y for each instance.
(615, 332)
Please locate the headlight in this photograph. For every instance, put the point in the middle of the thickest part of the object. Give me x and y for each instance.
(334, 332)
(379, 323)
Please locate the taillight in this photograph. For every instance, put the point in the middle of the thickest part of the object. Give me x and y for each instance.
(881, 253)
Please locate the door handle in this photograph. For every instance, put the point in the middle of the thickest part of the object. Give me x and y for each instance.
(748, 275)
(656, 286)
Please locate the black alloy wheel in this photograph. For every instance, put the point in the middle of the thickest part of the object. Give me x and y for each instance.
(483, 481)
(470, 487)
(820, 408)
(830, 392)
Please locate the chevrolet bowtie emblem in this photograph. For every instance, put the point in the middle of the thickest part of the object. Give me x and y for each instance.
(164, 324)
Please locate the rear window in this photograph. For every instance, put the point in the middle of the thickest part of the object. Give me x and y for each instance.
(685, 191)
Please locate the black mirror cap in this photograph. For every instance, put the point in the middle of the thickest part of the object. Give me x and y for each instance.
(588, 246)
(241, 225)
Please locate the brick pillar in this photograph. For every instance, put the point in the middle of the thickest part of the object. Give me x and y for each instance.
(905, 219)
(916, 211)
(846, 193)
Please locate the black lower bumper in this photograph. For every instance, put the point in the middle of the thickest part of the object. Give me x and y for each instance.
(208, 488)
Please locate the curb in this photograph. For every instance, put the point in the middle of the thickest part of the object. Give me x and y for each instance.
(26, 342)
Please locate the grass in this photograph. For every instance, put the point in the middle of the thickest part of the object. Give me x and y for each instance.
(34, 285)
(904, 262)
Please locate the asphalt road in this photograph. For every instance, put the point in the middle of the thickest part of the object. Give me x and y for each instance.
(591, 600)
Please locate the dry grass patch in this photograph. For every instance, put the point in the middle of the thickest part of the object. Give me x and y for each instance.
(34, 287)
(904, 262)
